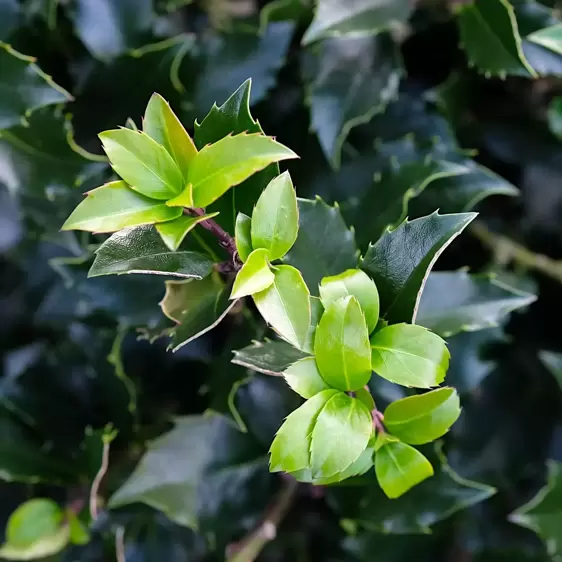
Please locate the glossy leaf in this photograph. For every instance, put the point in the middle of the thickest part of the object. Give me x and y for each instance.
(291, 448)
(275, 220)
(268, 357)
(141, 250)
(349, 80)
(303, 377)
(285, 306)
(114, 206)
(400, 467)
(491, 39)
(162, 124)
(409, 355)
(423, 418)
(173, 232)
(255, 275)
(550, 38)
(25, 87)
(360, 17)
(341, 346)
(144, 164)
(543, 512)
(319, 227)
(228, 162)
(341, 433)
(418, 244)
(553, 362)
(356, 283)
(243, 236)
(197, 306)
(454, 302)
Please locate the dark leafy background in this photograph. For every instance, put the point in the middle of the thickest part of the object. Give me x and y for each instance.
(380, 123)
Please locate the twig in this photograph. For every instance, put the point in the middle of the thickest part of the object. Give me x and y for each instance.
(120, 544)
(377, 420)
(94, 490)
(248, 549)
(506, 250)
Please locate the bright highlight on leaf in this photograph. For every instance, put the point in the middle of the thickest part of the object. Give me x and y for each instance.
(303, 377)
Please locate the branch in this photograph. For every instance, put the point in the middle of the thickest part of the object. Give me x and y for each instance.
(378, 418)
(506, 250)
(249, 548)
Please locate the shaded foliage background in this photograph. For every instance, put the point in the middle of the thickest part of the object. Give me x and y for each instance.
(378, 121)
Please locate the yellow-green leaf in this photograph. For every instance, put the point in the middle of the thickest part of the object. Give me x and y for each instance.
(255, 275)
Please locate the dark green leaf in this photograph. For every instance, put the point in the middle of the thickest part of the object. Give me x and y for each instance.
(269, 357)
(361, 17)
(25, 87)
(141, 250)
(454, 302)
(9, 17)
(349, 81)
(555, 117)
(197, 306)
(243, 236)
(409, 355)
(341, 345)
(553, 362)
(423, 418)
(254, 277)
(303, 377)
(418, 244)
(321, 227)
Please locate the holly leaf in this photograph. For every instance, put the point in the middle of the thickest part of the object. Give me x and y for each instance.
(400, 281)
(285, 306)
(319, 227)
(171, 479)
(349, 80)
(114, 206)
(255, 275)
(454, 302)
(243, 236)
(361, 17)
(108, 29)
(9, 16)
(141, 250)
(358, 284)
(491, 38)
(174, 232)
(144, 164)
(399, 468)
(409, 355)
(197, 306)
(423, 418)
(275, 220)
(226, 163)
(341, 345)
(542, 514)
(304, 378)
(268, 357)
(25, 87)
(549, 37)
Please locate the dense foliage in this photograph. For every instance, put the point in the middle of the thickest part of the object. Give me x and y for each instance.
(265, 379)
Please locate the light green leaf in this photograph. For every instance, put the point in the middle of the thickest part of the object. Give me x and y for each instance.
(174, 232)
(400, 467)
(321, 227)
(197, 306)
(78, 532)
(423, 418)
(162, 124)
(25, 87)
(400, 261)
(348, 80)
(355, 17)
(341, 345)
(341, 433)
(543, 513)
(144, 164)
(409, 355)
(316, 311)
(228, 162)
(268, 357)
(364, 394)
(255, 275)
(550, 38)
(286, 305)
(275, 220)
(356, 283)
(454, 302)
(290, 450)
(303, 377)
(141, 250)
(36, 529)
(491, 39)
(114, 206)
(242, 235)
